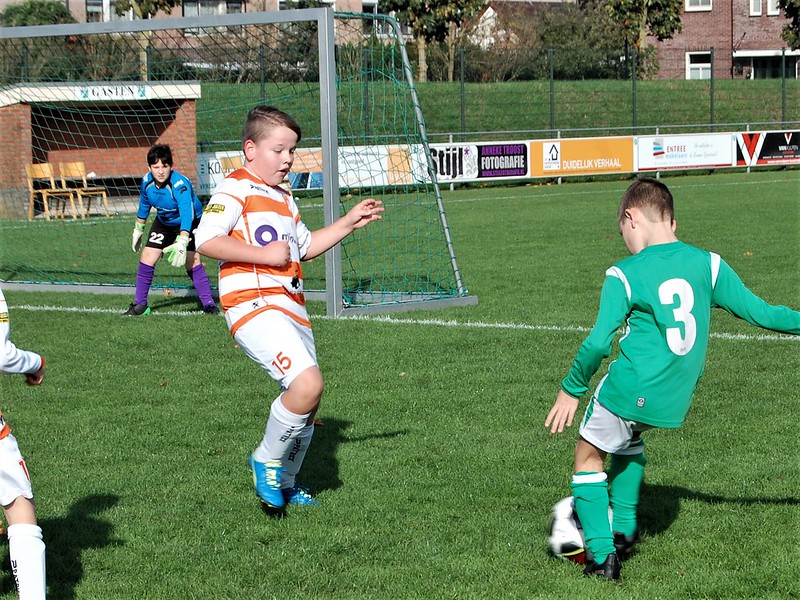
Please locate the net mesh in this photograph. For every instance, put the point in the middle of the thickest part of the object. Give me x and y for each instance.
(104, 98)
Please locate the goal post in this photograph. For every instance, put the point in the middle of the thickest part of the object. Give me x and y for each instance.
(104, 93)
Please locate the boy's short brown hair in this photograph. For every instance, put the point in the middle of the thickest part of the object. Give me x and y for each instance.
(652, 197)
(263, 118)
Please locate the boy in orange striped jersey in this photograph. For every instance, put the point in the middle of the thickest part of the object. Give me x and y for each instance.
(253, 226)
(25, 545)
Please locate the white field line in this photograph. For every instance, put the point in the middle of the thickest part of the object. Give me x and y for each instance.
(775, 337)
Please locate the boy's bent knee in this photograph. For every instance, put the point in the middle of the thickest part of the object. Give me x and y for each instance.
(306, 388)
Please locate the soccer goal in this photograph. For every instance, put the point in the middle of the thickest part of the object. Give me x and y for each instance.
(101, 94)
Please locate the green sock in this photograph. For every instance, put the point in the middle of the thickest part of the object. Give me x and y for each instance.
(625, 477)
(590, 491)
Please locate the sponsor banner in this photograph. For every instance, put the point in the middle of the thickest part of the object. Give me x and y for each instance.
(359, 166)
(473, 162)
(306, 171)
(209, 170)
(581, 156)
(378, 166)
(767, 148)
(690, 151)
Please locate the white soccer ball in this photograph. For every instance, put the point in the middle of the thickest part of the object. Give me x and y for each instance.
(566, 533)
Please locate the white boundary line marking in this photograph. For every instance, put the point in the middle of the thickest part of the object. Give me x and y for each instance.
(776, 337)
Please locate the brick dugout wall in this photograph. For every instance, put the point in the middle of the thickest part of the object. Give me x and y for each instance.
(112, 140)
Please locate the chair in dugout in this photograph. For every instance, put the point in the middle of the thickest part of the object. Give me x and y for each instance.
(74, 177)
(42, 184)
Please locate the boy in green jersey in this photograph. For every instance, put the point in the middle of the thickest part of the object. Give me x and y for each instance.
(663, 294)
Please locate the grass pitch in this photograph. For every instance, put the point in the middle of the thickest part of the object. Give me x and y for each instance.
(432, 464)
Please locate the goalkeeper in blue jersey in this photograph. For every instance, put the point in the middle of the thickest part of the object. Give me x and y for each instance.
(178, 212)
(663, 295)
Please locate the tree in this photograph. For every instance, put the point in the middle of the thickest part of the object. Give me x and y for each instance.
(585, 40)
(145, 9)
(791, 31)
(36, 12)
(434, 21)
(640, 18)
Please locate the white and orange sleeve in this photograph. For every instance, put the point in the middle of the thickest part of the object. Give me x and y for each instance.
(13, 360)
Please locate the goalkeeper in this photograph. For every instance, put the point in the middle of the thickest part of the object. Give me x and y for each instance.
(663, 296)
(178, 212)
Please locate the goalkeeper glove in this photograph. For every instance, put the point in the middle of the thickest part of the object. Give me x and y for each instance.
(176, 253)
(136, 240)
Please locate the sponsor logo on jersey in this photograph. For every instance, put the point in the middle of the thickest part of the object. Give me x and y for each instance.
(3, 317)
(259, 188)
(213, 209)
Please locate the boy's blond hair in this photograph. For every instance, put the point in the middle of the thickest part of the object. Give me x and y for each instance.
(261, 119)
(650, 196)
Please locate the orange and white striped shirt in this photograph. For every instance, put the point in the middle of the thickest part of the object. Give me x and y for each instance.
(13, 360)
(247, 209)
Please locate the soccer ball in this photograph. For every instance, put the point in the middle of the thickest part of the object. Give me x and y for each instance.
(566, 533)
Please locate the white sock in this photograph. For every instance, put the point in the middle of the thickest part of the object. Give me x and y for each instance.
(282, 429)
(26, 549)
(294, 460)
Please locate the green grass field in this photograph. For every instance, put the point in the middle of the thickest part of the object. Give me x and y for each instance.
(433, 467)
(589, 107)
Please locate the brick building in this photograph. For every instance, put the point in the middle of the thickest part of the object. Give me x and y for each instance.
(740, 38)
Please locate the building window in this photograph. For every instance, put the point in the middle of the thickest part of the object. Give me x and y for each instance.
(772, 8)
(374, 26)
(755, 8)
(698, 65)
(101, 11)
(697, 5)
(206, 8)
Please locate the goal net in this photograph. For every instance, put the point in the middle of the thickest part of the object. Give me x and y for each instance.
(102, 94)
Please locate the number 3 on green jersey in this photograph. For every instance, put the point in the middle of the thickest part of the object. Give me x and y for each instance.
(679, 294)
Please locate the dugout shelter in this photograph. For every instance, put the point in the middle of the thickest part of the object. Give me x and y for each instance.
(107, 125)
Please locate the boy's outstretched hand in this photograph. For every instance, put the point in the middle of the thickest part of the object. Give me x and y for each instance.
(562, 413)
(365, 212)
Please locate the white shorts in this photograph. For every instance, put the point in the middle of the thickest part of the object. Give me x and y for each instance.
(14, 479)
(283, 347)
(605, 430)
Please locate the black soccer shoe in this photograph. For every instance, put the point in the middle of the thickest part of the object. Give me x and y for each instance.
(211, 309)
(625, 545)
(136, 310)
(609, 569)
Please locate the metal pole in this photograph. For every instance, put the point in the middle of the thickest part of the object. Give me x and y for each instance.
(330, 159)
(463, 95)
(365, 94)
(711, 91)
(263, 78)
(634, 56)
(783, 84)
(551, 62)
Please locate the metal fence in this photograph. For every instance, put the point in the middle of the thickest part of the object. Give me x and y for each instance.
(602, 92)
